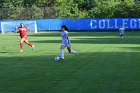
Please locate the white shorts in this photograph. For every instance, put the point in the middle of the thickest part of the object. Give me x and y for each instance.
(66, 43)
(121, 33)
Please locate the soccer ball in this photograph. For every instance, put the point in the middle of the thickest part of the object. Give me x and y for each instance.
(57, 59)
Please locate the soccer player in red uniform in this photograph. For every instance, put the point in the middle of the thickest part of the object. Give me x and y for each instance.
(22, 30)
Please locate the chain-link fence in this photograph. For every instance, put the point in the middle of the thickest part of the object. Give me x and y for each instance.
(27, 13)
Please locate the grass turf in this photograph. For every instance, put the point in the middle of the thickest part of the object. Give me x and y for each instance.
(105, 64)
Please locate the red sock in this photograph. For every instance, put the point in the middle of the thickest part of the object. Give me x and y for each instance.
(29, 44)
(21, 45)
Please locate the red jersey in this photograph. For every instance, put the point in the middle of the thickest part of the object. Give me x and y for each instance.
(22, 31)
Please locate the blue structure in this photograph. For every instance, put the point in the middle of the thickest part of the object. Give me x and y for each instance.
(82, 24)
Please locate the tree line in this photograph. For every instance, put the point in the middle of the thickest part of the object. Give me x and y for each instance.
(42, 9)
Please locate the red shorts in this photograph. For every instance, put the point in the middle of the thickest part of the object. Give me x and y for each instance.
(24, 37)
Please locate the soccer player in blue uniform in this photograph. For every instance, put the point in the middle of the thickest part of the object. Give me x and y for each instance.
(65, 42)
(122, 31)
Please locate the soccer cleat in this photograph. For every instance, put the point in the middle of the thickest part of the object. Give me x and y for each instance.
(21, 51)
(33, 47)
(61, 58)
(74, 53)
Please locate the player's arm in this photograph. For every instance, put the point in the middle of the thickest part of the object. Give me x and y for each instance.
(17, 31)
(29, 30)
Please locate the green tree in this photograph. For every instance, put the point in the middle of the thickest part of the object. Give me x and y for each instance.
(34, 9)
(124, 8)
(10, 3)
(103, 8)
(65, 9)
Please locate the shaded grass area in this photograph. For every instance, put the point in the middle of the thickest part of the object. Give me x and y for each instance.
(105, 64)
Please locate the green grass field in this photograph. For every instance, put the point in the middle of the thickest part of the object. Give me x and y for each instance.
(105, 64)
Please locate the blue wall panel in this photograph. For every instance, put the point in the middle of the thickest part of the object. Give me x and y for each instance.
(83, 24)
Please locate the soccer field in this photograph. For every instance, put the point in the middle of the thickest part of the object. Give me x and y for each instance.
(105, 64)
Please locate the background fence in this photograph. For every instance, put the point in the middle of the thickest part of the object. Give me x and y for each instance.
(27, 13)
(84, 24)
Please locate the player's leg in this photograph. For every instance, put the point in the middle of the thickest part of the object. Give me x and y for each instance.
(71, 51)
(30, 44)
(122, 35)
(68, 45)
(21, 44)
(62, 51)
(27, 42)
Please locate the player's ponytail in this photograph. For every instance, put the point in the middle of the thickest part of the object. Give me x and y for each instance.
(65, 27)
